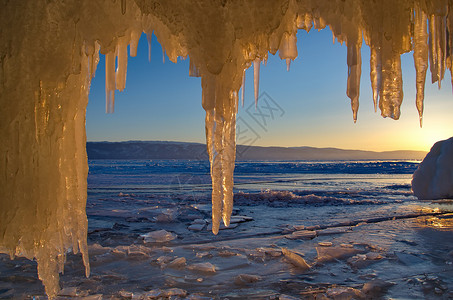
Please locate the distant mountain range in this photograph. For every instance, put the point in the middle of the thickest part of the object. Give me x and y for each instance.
(197, 151)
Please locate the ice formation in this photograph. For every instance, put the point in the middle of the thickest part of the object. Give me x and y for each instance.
(49, 52)
(434, 177)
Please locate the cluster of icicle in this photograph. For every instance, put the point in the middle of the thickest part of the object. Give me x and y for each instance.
(44, 90)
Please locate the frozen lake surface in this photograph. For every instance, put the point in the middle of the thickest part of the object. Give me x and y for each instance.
(301, 230)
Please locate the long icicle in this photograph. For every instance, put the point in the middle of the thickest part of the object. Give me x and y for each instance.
(256, 78)
(110, 82)
(420, 57)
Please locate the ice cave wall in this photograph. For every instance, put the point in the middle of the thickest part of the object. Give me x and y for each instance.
(49, 52)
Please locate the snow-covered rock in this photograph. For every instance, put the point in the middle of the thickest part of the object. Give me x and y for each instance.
(434, 177)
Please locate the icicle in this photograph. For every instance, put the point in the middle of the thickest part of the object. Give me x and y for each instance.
(193, 70)
(163, 55)
(243, 88)
(420, 57)
(450, 44)
(121, 71)
(149, 38)
(288, 48)
(109, 82)
(256, 78)
(288, 63)
(123, 7)
(375, 74)
(433, 64)
(228, 157)
(391, 94)
(135, 37)
(354, 71)
(208, 84)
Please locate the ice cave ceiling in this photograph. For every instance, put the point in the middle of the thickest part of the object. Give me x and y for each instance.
(48, 55)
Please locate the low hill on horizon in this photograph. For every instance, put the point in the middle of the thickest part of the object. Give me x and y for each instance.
(197, 151)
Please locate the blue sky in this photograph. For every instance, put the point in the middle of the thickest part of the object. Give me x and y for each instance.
(161, 102)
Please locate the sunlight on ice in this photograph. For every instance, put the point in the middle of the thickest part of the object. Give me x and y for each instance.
(43, 197)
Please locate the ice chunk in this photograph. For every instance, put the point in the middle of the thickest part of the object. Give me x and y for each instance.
(326, 254)
(344, 293)
(158, 236)
(196, 227)
(433, 178)
(295, 259)
(177, 263)
(205, 267)
(244, 279)
(301, 234)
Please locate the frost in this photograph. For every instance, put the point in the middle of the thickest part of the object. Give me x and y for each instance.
(49, 51)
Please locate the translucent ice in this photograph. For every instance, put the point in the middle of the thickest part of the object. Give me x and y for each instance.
(49, 51)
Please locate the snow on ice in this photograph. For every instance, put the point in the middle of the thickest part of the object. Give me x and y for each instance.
(48, 56)
(434, 177)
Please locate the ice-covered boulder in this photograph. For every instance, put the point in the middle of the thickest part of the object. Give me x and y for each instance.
(434, 177)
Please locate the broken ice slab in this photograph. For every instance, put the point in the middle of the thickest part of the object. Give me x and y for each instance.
(161, 294)
(408, 259)
(196, 227)
(326, 254)
(287, 297)
(362, 260)
(344, 293)
(244, 279)
(376, 288)
(202, 267)
(223, 227)
(240, 219)
(301, 234)
(333, 230)
(177, 263)
(158, 236)
(325, 244)
(295, 259)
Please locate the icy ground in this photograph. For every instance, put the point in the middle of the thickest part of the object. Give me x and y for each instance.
(334, 242)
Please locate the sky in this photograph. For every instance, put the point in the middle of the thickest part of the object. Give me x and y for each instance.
(306, 106)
